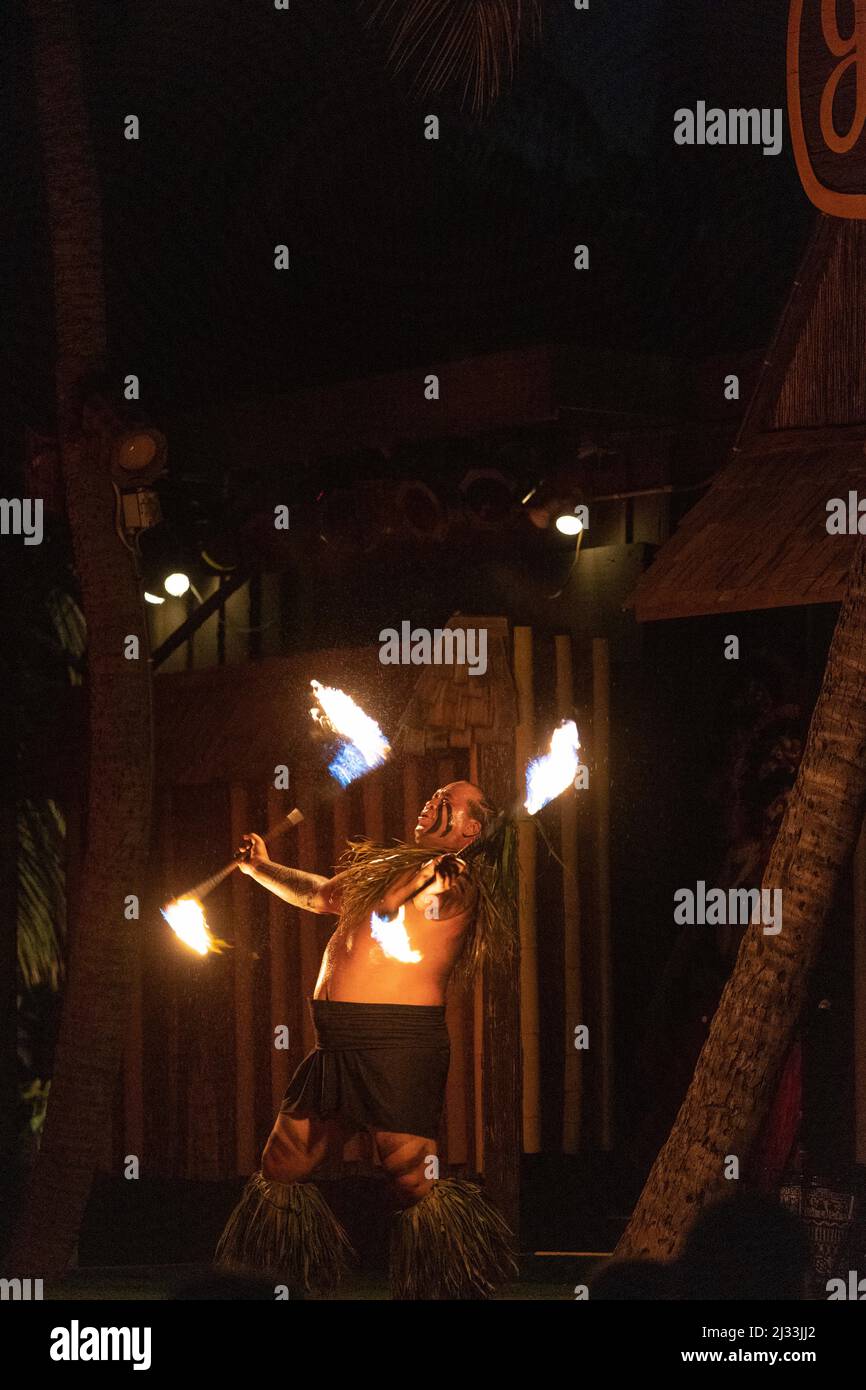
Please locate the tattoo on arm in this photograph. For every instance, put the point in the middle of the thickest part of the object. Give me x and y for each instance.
(292, 885)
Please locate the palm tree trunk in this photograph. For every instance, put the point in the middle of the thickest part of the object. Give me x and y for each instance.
(119, 737)
(759, 1009)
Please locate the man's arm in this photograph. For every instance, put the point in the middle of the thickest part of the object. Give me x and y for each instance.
(295, 886)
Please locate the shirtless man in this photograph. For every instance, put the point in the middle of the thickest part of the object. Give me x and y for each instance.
(381, 1059)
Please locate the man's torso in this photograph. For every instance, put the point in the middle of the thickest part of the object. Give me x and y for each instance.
(405, 961)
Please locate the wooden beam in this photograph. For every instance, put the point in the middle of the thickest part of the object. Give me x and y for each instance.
(526, 858)
(200, 615)
(600, 785)
(859, 874)
(245, 1073)
(279, 928)
(573, 984)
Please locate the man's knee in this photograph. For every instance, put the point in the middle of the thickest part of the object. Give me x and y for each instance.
(409, 1168)
(286, 1158)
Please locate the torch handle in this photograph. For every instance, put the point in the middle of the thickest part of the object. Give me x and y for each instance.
(201, 890)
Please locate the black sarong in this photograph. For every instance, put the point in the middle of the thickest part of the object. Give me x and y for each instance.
(377, 1065)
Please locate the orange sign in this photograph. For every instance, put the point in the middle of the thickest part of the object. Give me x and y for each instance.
(827, 102)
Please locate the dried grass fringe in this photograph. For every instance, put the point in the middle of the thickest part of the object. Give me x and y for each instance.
(371, 869)
(285, 1231)
(451, 1244)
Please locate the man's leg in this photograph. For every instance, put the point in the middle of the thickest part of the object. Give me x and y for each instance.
(282, 1227)
(404, 1158)
(299, 1144)
(448, 1242)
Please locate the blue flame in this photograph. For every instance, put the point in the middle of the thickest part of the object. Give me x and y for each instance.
(349, 764)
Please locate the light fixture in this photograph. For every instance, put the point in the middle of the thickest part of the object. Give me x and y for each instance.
(569, 524)
(138, 457)
(176, 584)
(488, 496)
(152, 598)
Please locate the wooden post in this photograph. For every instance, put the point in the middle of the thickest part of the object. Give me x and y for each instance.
(501, 1031)
(455, 1090)
(477, 1016)
(600, 783)
(860, 998)
(573, 1001)
(245, 1073)
(310, 955)
(133, 1101)
(279, 927)
(526, 856)
(411, 797)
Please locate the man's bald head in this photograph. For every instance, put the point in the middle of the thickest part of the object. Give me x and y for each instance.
(454, 816)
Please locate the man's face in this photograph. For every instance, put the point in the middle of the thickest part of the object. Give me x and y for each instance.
(446, 821)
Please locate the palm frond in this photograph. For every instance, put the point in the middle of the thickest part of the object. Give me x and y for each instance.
(470, 44)
(41, 893)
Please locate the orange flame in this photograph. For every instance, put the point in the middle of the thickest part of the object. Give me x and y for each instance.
(186, 918)
(394, 939)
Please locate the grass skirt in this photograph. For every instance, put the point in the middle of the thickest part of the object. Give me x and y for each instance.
(285, 1232)
(451, 1244)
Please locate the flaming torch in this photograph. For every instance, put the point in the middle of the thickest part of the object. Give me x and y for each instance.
(548, 776)
(185, 915)
(362, 744)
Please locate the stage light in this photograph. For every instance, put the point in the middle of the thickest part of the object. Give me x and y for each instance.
(569, 524)
(138, 457)
(152, 598)
(176, 584)
(488, 497)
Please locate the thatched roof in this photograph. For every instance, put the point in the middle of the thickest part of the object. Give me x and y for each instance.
(452, 709)
(758, 538)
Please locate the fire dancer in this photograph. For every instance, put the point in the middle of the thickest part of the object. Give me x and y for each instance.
(410, 918)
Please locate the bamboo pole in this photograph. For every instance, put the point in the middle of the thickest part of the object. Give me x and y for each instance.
(411, 797)
(279, 929)
(477, 1020)
(573, 984)
(860, 998)
(524, 740)
(133, 1101)
(245, 1074)
(310, 956)
(357, 1149)
(601, 786)
(456, 1098)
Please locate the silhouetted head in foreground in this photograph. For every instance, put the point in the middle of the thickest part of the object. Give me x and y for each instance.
(632, 1279)
(744, 1246)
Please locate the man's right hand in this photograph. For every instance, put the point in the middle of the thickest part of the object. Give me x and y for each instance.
(258, 853)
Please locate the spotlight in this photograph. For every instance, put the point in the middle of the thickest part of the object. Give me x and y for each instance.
(138, 457)
(176, 584)
(152, 598)
(418, 512)
(569, 524)
(487, 496)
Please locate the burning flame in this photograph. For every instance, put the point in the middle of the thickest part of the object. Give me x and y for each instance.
(394, 939)
(363, 744)
(186, 918)
(550, 774)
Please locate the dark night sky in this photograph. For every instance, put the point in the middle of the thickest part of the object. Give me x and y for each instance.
(260, 127)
